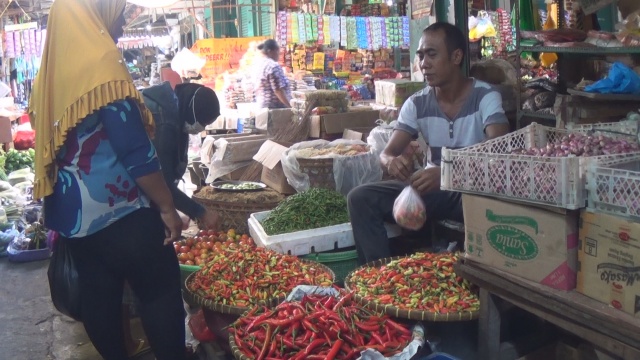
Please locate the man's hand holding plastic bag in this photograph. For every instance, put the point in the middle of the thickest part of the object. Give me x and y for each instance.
(408, 209)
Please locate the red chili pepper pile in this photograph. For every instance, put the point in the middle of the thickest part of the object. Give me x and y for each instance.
(318, 327)
(243, 275)
(422, 281)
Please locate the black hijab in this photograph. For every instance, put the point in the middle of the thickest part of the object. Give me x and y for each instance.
(207, 106)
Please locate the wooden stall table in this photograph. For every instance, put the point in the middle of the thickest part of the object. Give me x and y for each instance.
(611, 330)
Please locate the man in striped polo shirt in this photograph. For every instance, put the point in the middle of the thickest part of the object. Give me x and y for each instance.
(452, 111)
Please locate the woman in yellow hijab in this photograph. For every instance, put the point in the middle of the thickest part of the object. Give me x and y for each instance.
(100, 178)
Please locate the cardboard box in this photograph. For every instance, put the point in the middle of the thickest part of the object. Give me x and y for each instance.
(609, 261)
(231, 123)
(235, 174)
(218, 124)
(273, 176)
(279, 120)
(535, 243)
(360, 133)
(332, 126)
(394, 92)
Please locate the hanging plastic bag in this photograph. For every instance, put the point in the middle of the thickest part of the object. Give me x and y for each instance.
(408, 209)
(64, 283)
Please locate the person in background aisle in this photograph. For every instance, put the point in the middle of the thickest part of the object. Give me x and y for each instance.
(272, 86)
(100, 178)
(187, 111)
(453, 111)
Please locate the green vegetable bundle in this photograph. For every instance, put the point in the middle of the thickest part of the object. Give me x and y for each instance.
(19, 159)
(311, 209)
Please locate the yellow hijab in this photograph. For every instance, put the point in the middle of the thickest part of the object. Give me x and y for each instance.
(82, 70)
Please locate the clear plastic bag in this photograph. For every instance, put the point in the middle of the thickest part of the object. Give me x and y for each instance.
(408, 209)
(348, 171)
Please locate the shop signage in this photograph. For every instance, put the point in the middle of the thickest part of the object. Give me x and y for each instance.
(222, 55)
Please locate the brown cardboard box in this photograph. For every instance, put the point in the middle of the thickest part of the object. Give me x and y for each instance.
(279, 119)
(359, 133)
(235, 174)
(269, 156)
(394, 92)
(609, 261)
(332, 126)
(527, 241)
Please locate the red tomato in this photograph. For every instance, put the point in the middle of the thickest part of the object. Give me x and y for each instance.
(189, 242)
(190, 256)
(185, 249)
(211, 232)
(189, 262)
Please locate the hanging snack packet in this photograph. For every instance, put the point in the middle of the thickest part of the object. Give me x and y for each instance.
(408, 209)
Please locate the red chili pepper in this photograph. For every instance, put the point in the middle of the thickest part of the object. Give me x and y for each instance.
(314, 344)
(265, 346)
(398, 327)
(284, 322)
(334, 350)
(367, 327)
(309, 326)
(345, 299)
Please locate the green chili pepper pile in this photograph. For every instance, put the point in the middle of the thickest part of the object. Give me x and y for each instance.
(422, 281)
(241, 274)
(311, 209)
(317, 327)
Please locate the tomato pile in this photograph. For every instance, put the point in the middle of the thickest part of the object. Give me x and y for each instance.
(241, 274)
(198, 249)
(318, 327)
(422, 281)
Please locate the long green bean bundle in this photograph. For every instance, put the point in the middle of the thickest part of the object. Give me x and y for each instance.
(312, 209)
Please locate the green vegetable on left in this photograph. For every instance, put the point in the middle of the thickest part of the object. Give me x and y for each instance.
(14, 160)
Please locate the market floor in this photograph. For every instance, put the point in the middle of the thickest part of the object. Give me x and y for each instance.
(30, 327)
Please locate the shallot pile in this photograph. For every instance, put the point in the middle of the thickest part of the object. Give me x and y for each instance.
(582, 145)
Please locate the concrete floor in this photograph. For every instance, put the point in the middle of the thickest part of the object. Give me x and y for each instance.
(30, 326)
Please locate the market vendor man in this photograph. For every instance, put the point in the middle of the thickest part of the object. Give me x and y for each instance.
(452, 111)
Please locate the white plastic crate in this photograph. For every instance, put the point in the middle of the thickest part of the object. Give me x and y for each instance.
(627, 127)
(614, 187)
(490, 168)
(307, 241)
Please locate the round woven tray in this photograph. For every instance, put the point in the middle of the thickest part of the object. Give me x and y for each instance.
(193, 298)
(234, 215)
(390, 310)
(235, 350)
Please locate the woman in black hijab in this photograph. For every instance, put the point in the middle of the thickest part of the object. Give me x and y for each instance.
(187, 111)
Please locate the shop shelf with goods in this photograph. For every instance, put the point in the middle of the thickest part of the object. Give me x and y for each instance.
(571, 55)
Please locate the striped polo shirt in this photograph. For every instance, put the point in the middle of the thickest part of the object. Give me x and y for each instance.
(422, 114)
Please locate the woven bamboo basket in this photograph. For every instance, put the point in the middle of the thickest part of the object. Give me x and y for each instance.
(393, 311)
(320, 172)
(234, 215)
(218, 316)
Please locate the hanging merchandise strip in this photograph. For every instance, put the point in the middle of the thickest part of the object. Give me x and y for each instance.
(343, 31)
(352, 32)
(326, 30)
